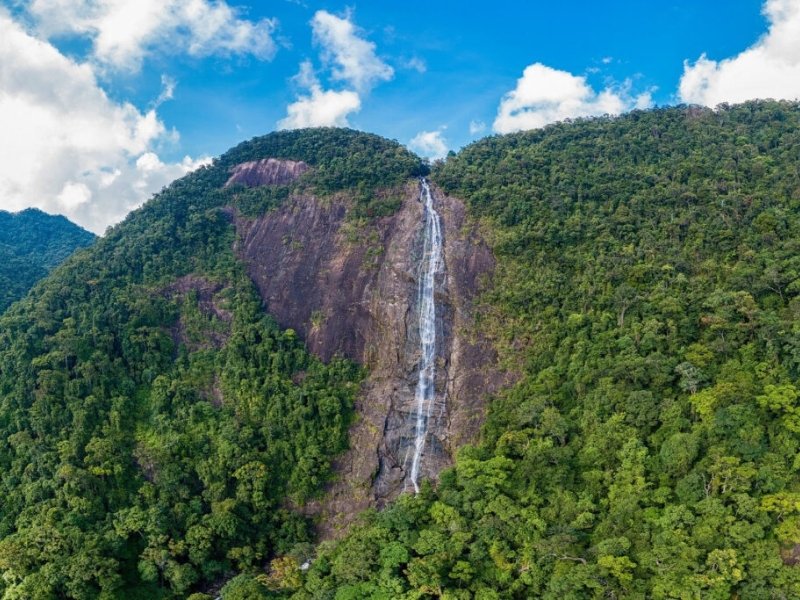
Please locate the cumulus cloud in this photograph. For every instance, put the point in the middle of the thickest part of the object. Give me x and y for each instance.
(430, 144)
(321, 108)
(353, 59)
(350, 59)
(317, 107)
(545, 95)
(67, 147)
(644, 100)
(768, 69)
(123, 32)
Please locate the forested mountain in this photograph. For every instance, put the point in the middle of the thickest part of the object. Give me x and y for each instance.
(647, 294)
(163, 436)
(158, 430)
(32, 243)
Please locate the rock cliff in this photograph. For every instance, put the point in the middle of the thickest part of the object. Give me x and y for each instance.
(351, 290)
(269, 171)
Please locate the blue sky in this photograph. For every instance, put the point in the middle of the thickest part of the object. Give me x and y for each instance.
(471, 58)
(102, 102)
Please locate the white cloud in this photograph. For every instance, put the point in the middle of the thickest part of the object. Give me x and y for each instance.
(415, 64)
(123, 32)
(168, 85)
(317, 107)
(768, 69)
(151, 174)
(644, 100)
(545, 95)
(321, 108)
(74, 195)
(67, 147)
(430, 144)
(353, 58)
(476, 127)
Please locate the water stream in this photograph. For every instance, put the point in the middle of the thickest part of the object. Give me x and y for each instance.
(431, 264)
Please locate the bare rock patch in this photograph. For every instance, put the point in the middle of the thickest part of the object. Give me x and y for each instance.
(268, 171)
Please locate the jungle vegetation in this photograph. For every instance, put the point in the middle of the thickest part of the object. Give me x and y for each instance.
(159, 432)
(32, 243)
(645, 297)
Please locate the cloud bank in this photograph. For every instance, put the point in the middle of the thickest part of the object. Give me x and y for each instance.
(67, 147)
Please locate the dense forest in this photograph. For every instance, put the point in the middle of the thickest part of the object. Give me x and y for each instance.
(158, 430)
(647, 295)
(32, 243)
(159, 433)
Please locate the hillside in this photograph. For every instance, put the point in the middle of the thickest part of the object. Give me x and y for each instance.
(647, 293)
(158, 430)
(229, 374)
(32, 243)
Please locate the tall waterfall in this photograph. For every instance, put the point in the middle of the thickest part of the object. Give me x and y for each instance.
(430, 265)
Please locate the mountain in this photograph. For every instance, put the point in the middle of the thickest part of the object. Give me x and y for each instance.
(32, 243)
(646, 295)
(606, 315)
(158, 430)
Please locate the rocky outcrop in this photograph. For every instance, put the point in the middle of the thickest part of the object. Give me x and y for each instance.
(351, 290)
(269, 171)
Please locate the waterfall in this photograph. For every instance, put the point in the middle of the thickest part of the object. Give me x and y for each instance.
(430, 264)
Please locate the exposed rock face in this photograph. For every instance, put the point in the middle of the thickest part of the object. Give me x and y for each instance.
(269, 171)
(791, 555)
(354, 293)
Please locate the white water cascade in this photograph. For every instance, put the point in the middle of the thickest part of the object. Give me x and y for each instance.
(430, 265)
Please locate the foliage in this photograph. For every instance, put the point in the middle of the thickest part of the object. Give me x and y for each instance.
(647, 295)
(149, 446)
(244, 587)
(341, 159)
(31, 244)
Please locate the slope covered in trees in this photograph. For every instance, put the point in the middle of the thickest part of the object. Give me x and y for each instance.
(157, 428)
(32, 243)
(647, 295)
(158, 431)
